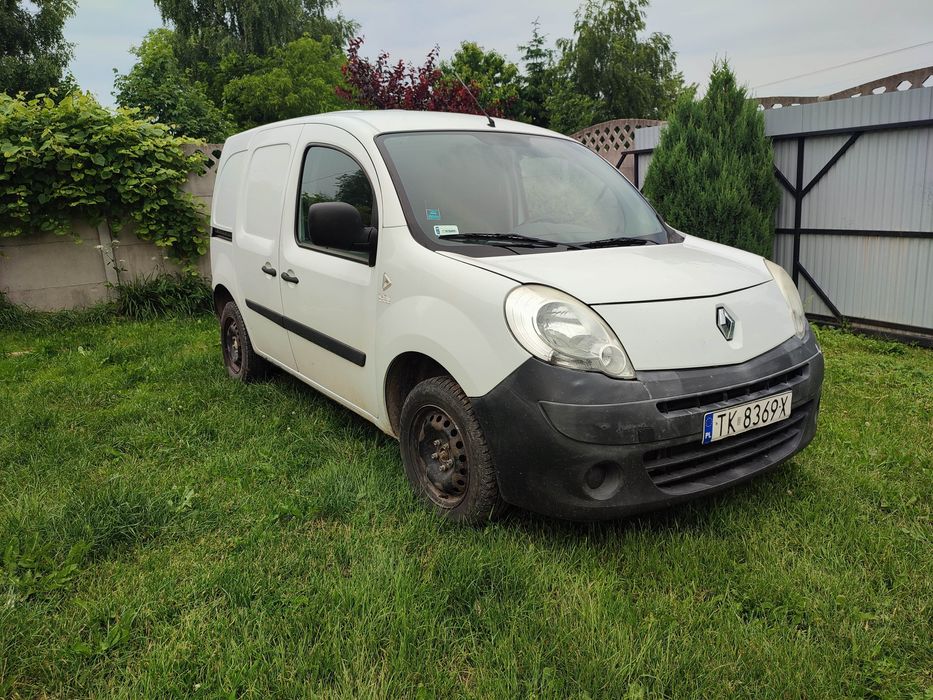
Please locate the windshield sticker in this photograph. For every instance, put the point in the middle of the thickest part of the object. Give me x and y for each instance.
(441, 231)
(433, 214)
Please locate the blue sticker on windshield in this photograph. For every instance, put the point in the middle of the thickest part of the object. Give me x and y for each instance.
(433, 214)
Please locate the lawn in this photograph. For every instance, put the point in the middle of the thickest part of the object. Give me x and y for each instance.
(167, 532)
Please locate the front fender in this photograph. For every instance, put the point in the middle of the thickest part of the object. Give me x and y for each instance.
(471, 358)
(453, 313)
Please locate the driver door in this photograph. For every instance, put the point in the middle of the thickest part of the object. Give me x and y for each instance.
(329, 294)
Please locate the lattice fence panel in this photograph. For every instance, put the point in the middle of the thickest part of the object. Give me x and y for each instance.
(612, 139)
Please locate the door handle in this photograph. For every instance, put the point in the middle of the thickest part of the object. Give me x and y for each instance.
(268, 269)
(289, 277)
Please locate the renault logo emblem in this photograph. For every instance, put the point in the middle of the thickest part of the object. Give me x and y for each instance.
(725, 322)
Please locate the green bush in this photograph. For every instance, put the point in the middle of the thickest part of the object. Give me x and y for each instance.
(138, 300)
(11, 316)
(160, 88)
(74, 158)
(712, 174)
(149, 297)
(296, 79)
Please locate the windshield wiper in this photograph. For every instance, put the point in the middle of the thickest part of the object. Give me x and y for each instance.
(507, 239)
(618, 241)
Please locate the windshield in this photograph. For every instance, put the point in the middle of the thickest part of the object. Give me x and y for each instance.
(526, 193)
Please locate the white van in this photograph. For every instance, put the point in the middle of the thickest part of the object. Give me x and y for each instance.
(506, 304)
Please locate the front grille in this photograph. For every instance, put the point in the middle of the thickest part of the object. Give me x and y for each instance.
(693, 466)
(710, 398)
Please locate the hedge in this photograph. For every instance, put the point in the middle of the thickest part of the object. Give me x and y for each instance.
(72, 158)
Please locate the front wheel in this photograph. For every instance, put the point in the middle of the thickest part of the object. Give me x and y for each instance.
(445, 454)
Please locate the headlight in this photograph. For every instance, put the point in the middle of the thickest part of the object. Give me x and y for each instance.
(792, 296)
(564, 331)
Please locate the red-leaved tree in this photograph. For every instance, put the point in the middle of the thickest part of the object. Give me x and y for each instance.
(384, 85)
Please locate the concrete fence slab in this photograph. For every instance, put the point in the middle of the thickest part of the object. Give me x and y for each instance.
(49, 272)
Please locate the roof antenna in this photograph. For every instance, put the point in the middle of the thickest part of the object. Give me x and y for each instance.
(470, 93)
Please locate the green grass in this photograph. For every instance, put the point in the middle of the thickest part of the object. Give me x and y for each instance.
(166, 532)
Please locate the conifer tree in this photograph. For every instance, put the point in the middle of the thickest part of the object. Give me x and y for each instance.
(712, 174)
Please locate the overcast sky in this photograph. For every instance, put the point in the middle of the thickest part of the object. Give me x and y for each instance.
(765, 40)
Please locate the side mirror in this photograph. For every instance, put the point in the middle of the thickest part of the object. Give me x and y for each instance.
(338, 225)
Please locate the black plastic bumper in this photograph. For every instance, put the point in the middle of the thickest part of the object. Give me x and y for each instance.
(583, 446)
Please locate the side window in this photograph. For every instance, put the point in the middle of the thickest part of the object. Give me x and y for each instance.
(328, 175)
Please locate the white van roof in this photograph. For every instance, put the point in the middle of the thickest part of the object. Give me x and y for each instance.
(370, 123)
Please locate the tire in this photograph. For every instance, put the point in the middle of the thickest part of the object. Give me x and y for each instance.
(241, 360)
(445, 454)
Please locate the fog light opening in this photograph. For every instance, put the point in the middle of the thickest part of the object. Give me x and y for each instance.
(602, 480)
(595, 476)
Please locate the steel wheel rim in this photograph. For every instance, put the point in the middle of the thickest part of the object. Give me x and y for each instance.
(440, 452)
(232, 351)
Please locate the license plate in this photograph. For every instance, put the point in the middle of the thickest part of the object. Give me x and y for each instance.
(746, 416)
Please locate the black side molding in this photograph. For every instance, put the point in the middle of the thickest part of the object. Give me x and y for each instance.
(333, 345)
(221, 234)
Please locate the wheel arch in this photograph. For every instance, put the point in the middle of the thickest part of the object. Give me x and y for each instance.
(403, 373)
(221, 297)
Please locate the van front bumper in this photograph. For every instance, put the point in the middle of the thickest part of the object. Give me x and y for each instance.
(583, 446)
